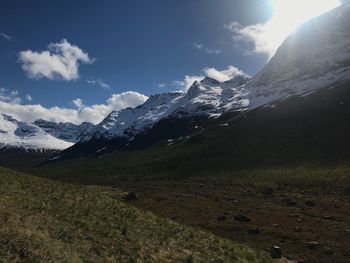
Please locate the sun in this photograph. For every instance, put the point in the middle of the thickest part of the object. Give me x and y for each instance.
(288, 15)
(296, 12)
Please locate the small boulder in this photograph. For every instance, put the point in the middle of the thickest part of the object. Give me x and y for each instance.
(328, 217)
(276, 252)
(309, 203)
(298, 229)
(312, 244)
(294, 215)
(242, 218)
(290, 202)
(221, 218)
(131, 196)
(327, 251)
(254, 231)
(268, 191)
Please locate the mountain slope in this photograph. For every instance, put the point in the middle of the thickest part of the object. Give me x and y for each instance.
(17, 134)
(206, 98)
(317, 55)
(305, 130)
(68, 132)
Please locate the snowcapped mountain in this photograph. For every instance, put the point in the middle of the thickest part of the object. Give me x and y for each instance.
(205, 98)
(17, 134)
(317, 55)
(67, 131)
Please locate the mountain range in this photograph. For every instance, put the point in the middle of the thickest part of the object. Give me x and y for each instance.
(313, 58)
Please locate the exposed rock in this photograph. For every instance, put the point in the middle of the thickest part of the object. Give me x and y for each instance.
(276, 252)
(268, 191)
(294, 215)
(290, 202)
(131, 196)
(254, 231)
(221, 218)
(298, 229)
(242, 218)
(328, 217)
(310, 203)
(312, 244)
(327, 251)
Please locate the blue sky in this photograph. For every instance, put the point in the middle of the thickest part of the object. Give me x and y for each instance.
(137, 45)
(77, 60)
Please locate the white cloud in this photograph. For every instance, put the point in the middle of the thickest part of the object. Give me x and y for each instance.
(256, 34)
(78, 103)
(224, 75)
(29, 97)
(220, 75)
(6, 36)
(205, 49)
(288, 15)
(9, 96)
(60, 61)
(100, 83)
(162, 85)
(94, 113)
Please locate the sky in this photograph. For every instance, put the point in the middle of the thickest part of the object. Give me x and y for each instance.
(78, 60)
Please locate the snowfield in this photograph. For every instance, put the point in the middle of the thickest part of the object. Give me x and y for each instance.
(14, 133)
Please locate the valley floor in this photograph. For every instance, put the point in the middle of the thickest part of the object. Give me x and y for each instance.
(47, 221)
(306, 213)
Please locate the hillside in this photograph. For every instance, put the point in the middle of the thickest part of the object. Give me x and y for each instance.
(45, 221)
(310, 130)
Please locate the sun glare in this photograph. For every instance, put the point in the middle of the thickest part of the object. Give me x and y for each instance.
(288, 15)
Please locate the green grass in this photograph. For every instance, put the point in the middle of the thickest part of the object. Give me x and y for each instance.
(323, 180)
(178, 162)
(47, 221)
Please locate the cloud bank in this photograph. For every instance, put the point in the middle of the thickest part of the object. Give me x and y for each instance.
(95, 113)
(60, 61)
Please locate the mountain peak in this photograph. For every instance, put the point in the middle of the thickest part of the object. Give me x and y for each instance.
(208, 81)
